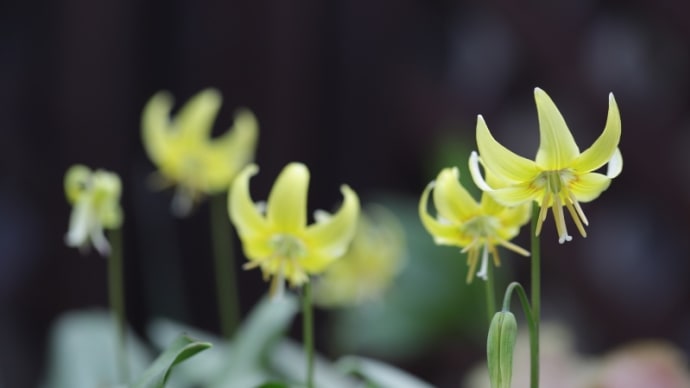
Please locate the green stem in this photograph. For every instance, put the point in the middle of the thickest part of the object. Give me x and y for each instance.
(226, 279)
(536, 297)
(116, 298)
(308, 332)
(490, 292)
(533, 326)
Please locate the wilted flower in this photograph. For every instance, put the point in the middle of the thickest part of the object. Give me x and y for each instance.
(370, 264)
(184, 152)
(475, 227)
(276, 236)
(560, 175)
(95, 197)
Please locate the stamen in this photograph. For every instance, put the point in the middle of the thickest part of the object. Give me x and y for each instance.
(515, 248)
(557, 208)
(542, 211)
(472, 263)
(579, 209)
(494, 255)
(251, 264)
(576, 218)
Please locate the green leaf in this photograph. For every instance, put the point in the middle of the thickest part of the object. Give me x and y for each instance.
(90, 340)
(378, 373)
(181, 349)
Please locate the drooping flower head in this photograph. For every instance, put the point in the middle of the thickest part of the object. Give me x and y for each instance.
(560, 175)
(276, 237)
(184, 152)
(95, 200)
(475, 227)
(369, 266)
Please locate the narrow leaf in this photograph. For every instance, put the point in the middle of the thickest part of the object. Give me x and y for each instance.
(181, 349)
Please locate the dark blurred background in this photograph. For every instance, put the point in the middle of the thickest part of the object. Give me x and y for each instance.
(364, 93)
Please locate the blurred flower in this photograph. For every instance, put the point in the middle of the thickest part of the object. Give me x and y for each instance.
(644, 364)
(475, 227)
(184, 152)
(370, 264)
(95, 197)
(560, 175)
(276, 236)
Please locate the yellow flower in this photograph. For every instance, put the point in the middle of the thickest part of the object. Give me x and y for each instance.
(276, 237)
(475, 227)
(95, 197)
(560, 175)
(370, 264)
(184, 152)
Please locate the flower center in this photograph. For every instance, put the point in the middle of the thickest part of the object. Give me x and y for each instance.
(283, 263)
(287, 247)
(556, 185)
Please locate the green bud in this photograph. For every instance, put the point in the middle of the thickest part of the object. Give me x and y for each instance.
(499, 348)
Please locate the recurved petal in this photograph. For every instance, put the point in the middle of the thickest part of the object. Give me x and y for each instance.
(501, 161)
(452, 201)
(557, 148)
(227, 154)
(516, 195)
(603, 149)
(155, 125)
(588, 187)
(195, 119)
(615, 165)
(244, 214)
(446, 234)
(76, 182)
(287, 203)
(331, 236)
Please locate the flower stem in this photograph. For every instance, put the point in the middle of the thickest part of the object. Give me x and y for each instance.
(533, 326)
(308, 332)
(226, 279)
(490, 293)
(116, 299)
(536, 298)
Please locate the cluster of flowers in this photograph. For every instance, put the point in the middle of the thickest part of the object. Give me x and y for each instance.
(275, 234)
(560, 176)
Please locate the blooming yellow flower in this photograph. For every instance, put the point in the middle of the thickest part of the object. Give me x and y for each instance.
(276, 237)
(560, 175)
(370, 264)
(95, 197)
(475, 227)
(184, 152)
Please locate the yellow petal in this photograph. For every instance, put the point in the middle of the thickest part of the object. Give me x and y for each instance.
(226, 155)
(445, 234)
(605, 146)
(195, 119)
(243, 212)
(587, 187)
(76, 182)
(500, 160)
(155, 124)
(331, 237)
(287, 202)
(452, 201)
(516, 195)
(557, 148)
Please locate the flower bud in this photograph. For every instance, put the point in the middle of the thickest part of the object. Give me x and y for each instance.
(499, 348)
